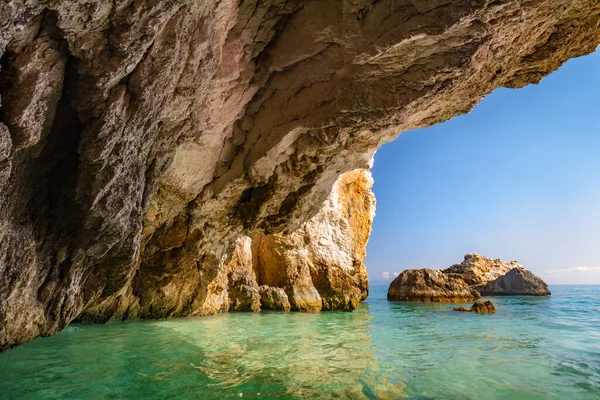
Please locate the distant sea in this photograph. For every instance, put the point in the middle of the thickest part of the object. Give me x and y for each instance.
(533, 348)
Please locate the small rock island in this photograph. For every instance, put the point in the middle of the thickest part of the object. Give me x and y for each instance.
(476, 276)
(479, 307)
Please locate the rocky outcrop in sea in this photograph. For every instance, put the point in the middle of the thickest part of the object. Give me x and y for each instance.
(476, 276)
(430, 285)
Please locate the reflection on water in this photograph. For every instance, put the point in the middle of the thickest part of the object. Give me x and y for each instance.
(533, 348)
(287, 355)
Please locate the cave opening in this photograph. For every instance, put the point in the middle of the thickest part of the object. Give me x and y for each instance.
(515, 179)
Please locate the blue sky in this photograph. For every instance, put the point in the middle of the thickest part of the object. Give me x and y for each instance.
(517, 178)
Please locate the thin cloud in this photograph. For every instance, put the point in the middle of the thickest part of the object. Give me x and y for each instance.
(580, 269)
(396, 274)
(574, 275)
(385, 275)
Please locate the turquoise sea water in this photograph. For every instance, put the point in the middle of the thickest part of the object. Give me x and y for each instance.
(533, 348)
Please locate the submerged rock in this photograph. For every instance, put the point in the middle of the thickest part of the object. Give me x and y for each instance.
(516, 282)
(462, 309)
(480, 307)
(430, 285)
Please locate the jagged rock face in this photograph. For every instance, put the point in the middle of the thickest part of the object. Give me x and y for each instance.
(496, 277)
(516, 282)
(476, 276)
(430, 285)
(272, 298)
(140, 139)
(477, 269)
(319, 266)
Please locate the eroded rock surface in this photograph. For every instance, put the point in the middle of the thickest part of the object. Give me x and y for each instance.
(477, 269)
(321, 264)
(141, 139)
(476, 276)
(274, 298)
(317, 267)
(430, 285)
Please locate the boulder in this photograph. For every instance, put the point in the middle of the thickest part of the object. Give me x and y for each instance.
(480, 307)
(430, 285)
(243, 292)
(477, 269)
(274, 298)
(516, 282)
(510, 277)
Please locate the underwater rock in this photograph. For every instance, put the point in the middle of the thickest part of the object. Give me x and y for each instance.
(480, 307)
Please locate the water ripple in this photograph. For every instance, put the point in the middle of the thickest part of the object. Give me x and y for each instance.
(533, 348)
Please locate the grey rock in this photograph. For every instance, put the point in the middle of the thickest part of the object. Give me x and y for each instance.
(243, 292)
(516, 282)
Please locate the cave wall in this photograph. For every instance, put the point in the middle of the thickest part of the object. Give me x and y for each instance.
(317, 267)
(140, 139)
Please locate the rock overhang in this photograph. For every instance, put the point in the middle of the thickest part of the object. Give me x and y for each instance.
(140, 139)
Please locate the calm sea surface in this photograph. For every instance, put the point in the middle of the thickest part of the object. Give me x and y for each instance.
(533, 348)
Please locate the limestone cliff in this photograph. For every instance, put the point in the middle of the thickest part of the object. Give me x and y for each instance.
(319, 266)
(141, 139)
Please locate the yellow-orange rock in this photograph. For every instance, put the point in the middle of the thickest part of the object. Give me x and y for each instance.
(430, 285)
(476, 269)
(321, 265)
(317, 267)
